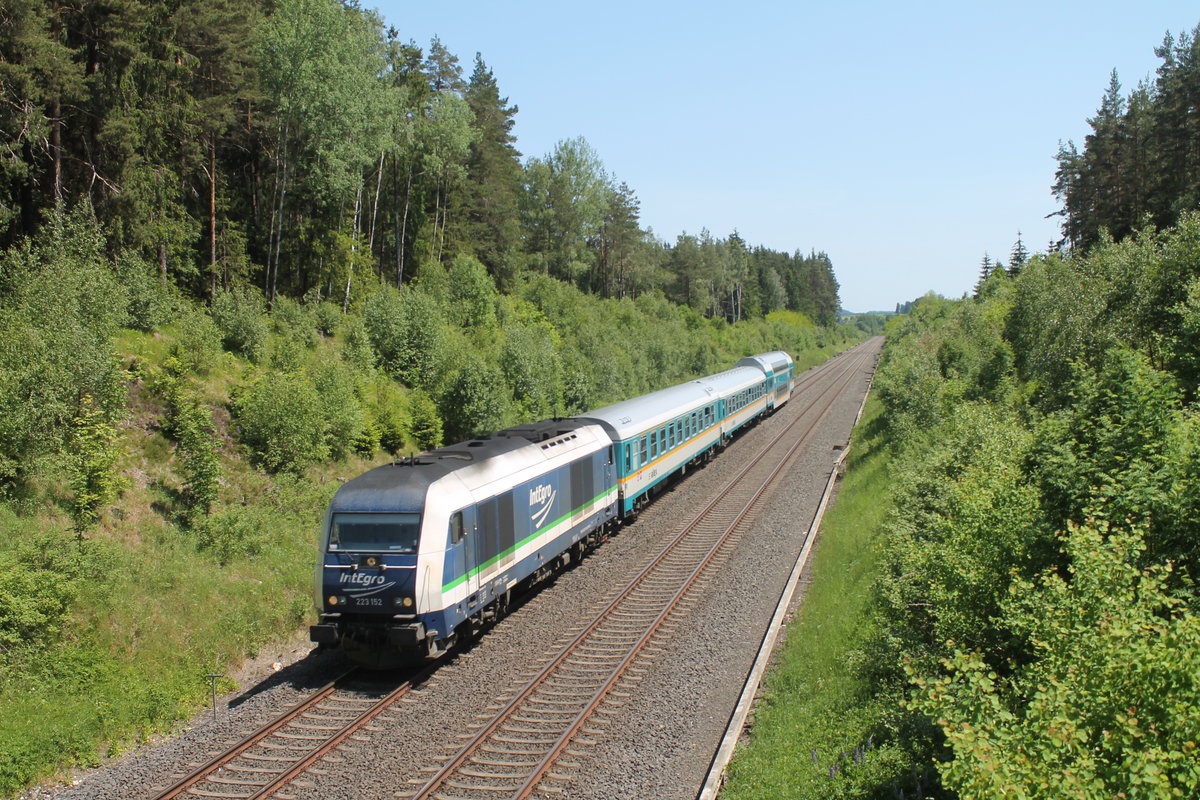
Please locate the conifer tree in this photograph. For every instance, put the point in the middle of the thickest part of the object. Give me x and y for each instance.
(1018, 257)
(490, 221)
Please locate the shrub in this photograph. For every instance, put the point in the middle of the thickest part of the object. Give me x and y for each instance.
(475, 402)
(337, 387)
(290, 318)
(327, 318)
(406, 331)
(426, 425)
(199, 456)
(198, 348)
(282, 422)
(152, 303)
(472, 293)
(356, 347)
(39, 581)
(59, 308)
(387, 410)
(238, 313)
(94, 451)
(1106, 705)
(531, 366)
(232, 533)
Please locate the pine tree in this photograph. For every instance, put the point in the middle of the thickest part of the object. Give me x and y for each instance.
(1018, 257)
(985, 271)
(490, 224)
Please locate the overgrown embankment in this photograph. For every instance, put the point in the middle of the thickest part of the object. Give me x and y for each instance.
(164, 465)
(1012, 559)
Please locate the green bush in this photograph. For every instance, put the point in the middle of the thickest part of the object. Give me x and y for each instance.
(406, 332)
(199, 456)
(94, 454)
(426, 424)
(282, 421)
(198, 348)
(232, 533)
(238, 313)
(475, 402)
(472, 294)
(327, 317)
(1106, 706)
(336, 385)
(531, 367)
(39, 581)
(356, 346)
(292, 319)
(152, 304)
(60, 305)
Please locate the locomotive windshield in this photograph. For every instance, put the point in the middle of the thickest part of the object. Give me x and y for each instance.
(376, 533)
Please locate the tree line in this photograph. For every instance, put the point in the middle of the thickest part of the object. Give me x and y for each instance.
(1140, 163)
(304, 147)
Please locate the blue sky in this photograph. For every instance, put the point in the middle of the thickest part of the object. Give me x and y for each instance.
(905, 140)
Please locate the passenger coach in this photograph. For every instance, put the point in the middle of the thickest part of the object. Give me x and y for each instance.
(780, 370)
(657, 435)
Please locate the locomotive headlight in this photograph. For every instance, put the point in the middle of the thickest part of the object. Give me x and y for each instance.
(403, 601)
(333, 599)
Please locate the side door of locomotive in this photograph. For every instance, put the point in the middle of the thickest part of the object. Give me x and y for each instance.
(462, 563)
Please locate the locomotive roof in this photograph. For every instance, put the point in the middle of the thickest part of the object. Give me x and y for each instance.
(631, 417)
(403, 484)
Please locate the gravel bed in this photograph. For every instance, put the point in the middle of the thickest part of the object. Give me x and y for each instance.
(657, 745)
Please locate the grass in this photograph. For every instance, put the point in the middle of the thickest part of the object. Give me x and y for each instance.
(817, 710)
(148, 611)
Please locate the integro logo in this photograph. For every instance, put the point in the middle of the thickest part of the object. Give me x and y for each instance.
(541, 501)
(361, 584)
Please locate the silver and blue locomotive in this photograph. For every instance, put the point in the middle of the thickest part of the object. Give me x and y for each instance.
(416, 553)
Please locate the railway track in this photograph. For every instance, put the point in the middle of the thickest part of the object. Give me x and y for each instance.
(261, 764)
(519, 746)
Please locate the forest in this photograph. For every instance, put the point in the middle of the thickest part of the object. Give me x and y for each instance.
(247, 250)
(1024, 610)
(306, 149)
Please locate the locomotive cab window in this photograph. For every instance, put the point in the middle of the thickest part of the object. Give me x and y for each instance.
(375, 533)
(456, 528)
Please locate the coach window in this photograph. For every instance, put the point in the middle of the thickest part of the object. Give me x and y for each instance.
(628, 461)
(653, 446)
(644, 459)
(456, 528)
